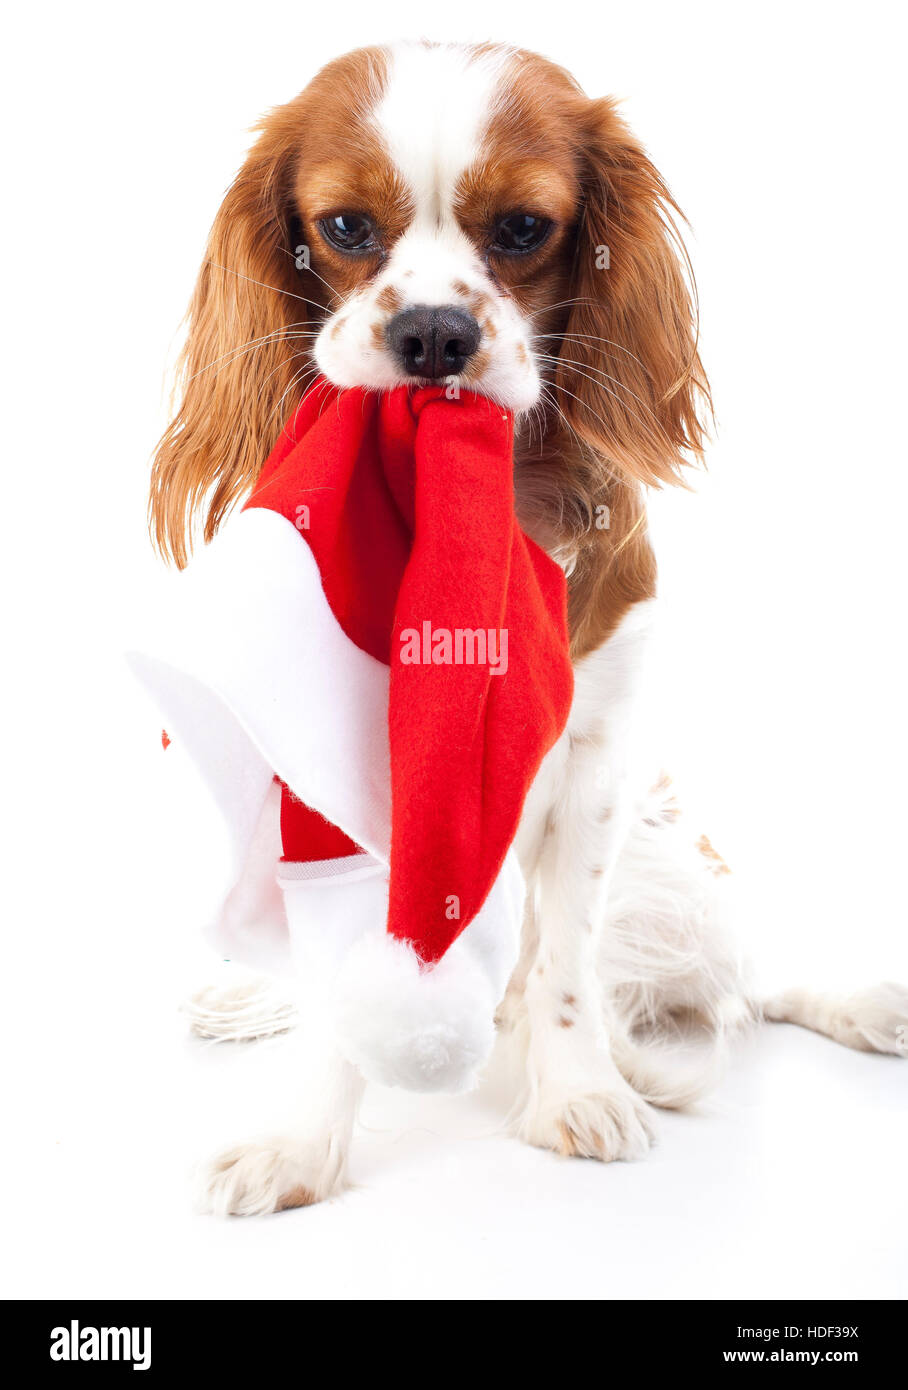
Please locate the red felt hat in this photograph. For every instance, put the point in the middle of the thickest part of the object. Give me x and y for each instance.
(366, 667)
(406, 501)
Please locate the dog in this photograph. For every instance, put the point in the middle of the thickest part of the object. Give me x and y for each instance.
(466, 215)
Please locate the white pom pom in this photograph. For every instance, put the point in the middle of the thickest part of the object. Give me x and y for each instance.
(405, 1025)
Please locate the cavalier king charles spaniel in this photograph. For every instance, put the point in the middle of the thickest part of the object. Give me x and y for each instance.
(427, 212)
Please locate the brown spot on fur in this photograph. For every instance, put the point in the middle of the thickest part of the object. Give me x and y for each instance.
(377, 334)
(295, 1197)
(488, 329)
(389, 299)
(718, 864)
(592, 738)
(520, 353)
(478, 304)
(670, 809)
(569, 1145)
(565, 1022)
(569, 1000)
(478, 364)
(460, 287)
(597, 872)
(606, 814)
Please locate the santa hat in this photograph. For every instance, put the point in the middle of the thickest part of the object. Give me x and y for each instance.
(394, 648)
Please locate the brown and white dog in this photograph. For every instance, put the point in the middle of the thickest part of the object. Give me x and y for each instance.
(430, 211)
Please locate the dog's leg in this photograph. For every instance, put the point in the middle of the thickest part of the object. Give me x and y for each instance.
(577, 1101)
(870, 1020)
(304, 1159)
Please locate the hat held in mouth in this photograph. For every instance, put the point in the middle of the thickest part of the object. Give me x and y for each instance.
(376, 631)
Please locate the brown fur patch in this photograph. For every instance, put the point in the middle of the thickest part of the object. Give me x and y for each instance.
(621, 344)
(295, 1197)
(389, 300)
(717, 863)
(569, 1144)
(670, 808)
(478, 304)
(477, 364)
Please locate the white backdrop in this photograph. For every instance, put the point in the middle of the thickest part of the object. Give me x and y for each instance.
(780, 128)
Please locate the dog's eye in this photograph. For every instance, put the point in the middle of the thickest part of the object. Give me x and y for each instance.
(349, 231)
(520, 233)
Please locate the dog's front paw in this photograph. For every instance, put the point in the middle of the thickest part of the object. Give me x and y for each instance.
(606, 1124)
(273, 1175)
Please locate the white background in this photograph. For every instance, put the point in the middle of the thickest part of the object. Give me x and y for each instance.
(780, 127)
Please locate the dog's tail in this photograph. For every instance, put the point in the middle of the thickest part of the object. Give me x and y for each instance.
(871, 1020)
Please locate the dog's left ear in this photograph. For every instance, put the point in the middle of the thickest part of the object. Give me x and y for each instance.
(629, 355)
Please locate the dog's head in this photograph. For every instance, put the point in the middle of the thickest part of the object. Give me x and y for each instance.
(445, 213)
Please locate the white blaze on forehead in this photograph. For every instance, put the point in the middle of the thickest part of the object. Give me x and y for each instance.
(436, 105)
(432, 116)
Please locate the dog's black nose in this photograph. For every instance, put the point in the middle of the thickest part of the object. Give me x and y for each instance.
(433, 342)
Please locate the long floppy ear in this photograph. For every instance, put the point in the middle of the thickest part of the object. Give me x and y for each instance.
(241, 369)
(630, 378)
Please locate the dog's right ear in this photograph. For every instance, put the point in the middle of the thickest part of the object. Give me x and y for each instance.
(243, 367)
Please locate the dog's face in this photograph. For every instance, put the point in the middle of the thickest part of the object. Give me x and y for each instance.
(445, 223)
(444, 213)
